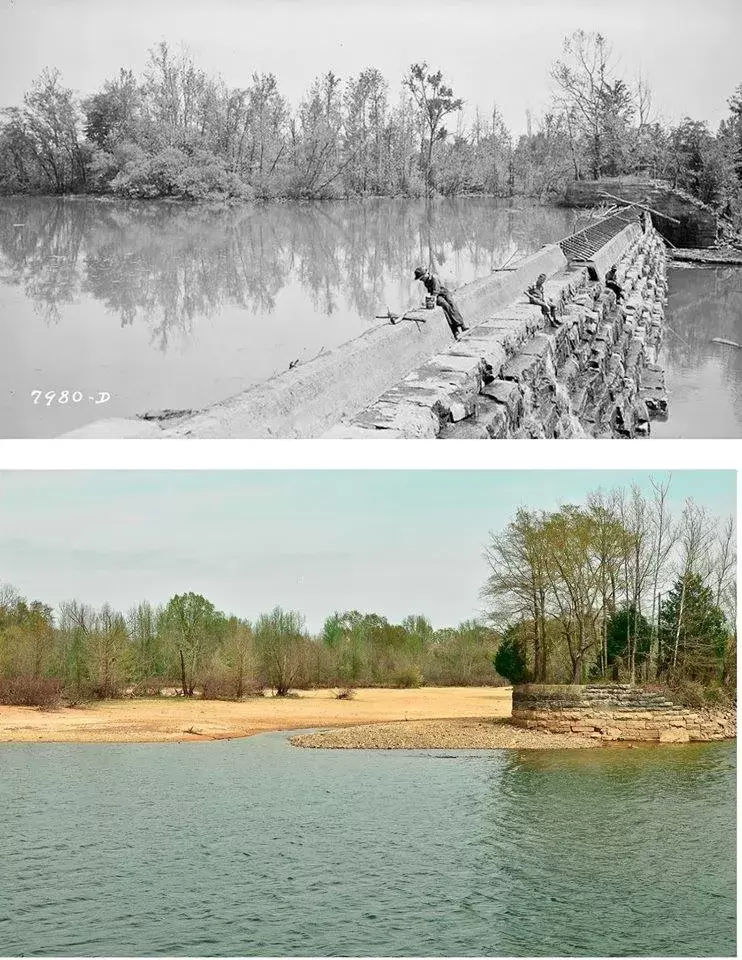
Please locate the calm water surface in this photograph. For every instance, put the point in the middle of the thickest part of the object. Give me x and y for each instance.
(166, 306)
(255, 847)
(704, 379)
(170, 306)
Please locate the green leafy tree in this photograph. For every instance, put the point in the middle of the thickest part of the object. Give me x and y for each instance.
(194, 627)
(509, 660)
(279, 638)
(693, 631)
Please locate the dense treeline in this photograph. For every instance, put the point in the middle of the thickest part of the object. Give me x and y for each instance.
(177, 132)
(616, 589)
(188, 645)
(613, 589)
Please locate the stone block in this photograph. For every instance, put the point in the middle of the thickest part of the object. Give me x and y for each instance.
(489, 350)
(408, 419)
(449, 399)
(520, 312)
(674, 735)
(495, 418)
(510, 334)
(523, 368)
(449, 362)
(470, 429)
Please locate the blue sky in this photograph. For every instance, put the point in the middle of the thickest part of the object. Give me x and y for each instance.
(490, 50)
(396, 542)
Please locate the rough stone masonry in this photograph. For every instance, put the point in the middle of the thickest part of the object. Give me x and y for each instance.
(512, 375)
(616, 712)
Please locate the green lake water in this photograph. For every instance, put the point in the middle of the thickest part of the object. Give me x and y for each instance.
(254, 847)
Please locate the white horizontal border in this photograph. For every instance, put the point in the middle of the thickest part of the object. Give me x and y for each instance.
(370, 454)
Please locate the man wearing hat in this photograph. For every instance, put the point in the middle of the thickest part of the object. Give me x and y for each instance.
(444, 300)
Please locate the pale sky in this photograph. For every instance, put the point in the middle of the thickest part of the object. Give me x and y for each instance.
(490, 50)
(393, 542)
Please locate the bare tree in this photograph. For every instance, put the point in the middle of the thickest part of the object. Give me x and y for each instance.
(435, 101)
(596, 105)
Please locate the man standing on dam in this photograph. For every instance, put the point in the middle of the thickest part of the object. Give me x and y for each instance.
(444, 300)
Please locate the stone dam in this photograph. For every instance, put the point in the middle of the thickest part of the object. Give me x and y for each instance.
(617, 712)
(683, 220)
(511, 375)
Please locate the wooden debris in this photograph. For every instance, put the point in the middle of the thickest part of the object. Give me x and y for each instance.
(711, 256)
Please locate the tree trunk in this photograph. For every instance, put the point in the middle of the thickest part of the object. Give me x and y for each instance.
(679, 624)
(183, 674)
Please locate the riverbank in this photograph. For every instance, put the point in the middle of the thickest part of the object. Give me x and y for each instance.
(164, 719)
(456, 734)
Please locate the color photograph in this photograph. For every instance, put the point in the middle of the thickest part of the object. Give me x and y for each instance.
(286, 714)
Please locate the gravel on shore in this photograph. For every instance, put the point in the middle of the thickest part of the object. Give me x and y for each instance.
(457, 734)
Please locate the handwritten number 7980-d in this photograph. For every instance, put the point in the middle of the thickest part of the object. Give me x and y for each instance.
(68, 396)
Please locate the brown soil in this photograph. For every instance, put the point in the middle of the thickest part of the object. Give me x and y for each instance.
(173, 718)
(457, 734)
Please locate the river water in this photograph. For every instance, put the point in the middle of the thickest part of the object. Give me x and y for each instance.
(704, 379)
(135, 307)
(172, 306)
(259, 848)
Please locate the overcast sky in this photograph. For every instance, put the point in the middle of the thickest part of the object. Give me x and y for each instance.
(394, 542)
(491, 50)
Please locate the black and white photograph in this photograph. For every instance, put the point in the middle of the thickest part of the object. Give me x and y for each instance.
(446, 220)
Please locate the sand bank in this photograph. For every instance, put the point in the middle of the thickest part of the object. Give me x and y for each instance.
(175, 719)
(453, 734)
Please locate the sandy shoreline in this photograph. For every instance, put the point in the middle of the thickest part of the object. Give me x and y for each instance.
(167, 719)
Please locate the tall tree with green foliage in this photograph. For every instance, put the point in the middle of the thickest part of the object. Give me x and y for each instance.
(194, 627)
(509, 660)
(694, 631)
(279, 636)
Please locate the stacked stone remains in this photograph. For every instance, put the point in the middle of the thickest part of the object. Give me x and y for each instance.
(617, 712)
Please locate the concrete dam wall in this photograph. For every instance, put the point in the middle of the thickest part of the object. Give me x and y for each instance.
(510, 375)
(616, 712)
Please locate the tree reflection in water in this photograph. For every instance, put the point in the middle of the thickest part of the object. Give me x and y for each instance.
(167, 305)
(170, 265)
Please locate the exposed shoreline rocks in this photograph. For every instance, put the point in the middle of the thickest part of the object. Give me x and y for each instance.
(473, 733)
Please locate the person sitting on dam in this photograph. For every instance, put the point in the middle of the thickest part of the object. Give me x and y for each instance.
(444, 300)
(612, 283)
(536, 295)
